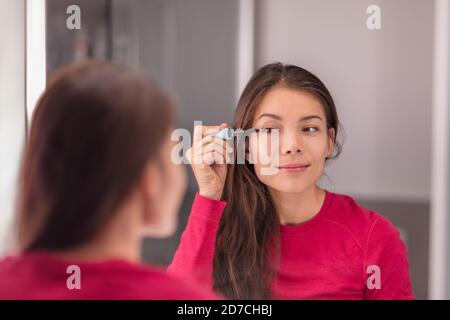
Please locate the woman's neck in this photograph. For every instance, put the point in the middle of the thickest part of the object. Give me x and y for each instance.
(120, 239)
(297, 208)
(103, 249)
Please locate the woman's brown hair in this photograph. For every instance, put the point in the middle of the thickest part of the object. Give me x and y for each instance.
(247, 242)
(93, 131)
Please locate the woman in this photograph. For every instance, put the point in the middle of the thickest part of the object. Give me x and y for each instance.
(96, 177)
(257, 236)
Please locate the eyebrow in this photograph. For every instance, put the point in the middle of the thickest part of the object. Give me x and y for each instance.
(277, 117)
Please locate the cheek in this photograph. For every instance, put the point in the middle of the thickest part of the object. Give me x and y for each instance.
(171, 183)
(264, 150)
(164, 205)
(316, 148)
(174, 187)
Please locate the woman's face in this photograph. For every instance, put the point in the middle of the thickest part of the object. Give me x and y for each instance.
(165, 185)
(304, 141)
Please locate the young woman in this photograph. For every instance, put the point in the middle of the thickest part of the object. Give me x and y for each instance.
(253, 235)
(96, 176)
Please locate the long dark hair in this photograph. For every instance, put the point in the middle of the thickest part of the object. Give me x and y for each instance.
(93, 131)
(247, 242)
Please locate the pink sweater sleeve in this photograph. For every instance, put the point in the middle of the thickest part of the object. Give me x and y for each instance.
(386, 262)
(194, 256)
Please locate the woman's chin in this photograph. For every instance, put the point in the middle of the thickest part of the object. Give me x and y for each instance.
(290, 187)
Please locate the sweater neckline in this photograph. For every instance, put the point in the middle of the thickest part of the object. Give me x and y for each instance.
(288, 229)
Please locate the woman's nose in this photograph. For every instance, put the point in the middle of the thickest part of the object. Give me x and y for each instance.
(291, 144)
(293, 150)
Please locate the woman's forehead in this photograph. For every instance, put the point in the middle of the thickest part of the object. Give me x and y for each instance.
(288, 104)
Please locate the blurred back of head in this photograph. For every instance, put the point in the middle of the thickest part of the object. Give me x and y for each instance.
(93, 132)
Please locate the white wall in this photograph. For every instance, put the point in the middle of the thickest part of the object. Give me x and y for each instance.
(12, 106)
(380, 80)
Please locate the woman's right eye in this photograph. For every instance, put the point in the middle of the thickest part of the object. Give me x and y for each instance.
(264, 130)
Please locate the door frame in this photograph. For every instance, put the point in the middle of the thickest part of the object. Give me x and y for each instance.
(440, 178)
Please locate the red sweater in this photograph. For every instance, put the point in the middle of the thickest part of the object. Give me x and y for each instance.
(330, 256)
(42, 276)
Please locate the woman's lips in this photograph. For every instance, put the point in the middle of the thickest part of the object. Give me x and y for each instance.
(294, 167)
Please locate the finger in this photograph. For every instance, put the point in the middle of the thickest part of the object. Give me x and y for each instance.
(223, 150)
(218, 144)
(201, 131)
(212, 158)
(197, 134)
(212, 139)
(212, 129)
(210, 149)
(205, 141)
(217, 149)
(208, 143)
(224, 146)
(212, 144)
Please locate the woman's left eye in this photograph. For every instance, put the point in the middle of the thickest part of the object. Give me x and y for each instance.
(310, 129)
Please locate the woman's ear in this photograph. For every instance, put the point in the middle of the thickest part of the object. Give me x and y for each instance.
(331, 139)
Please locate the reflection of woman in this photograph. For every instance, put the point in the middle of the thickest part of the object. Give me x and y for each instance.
(281, 236)
(96, 177)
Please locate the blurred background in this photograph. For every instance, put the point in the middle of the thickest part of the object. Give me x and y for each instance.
(390, 85)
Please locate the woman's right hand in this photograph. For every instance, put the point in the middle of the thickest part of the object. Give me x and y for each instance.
(208, 159)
